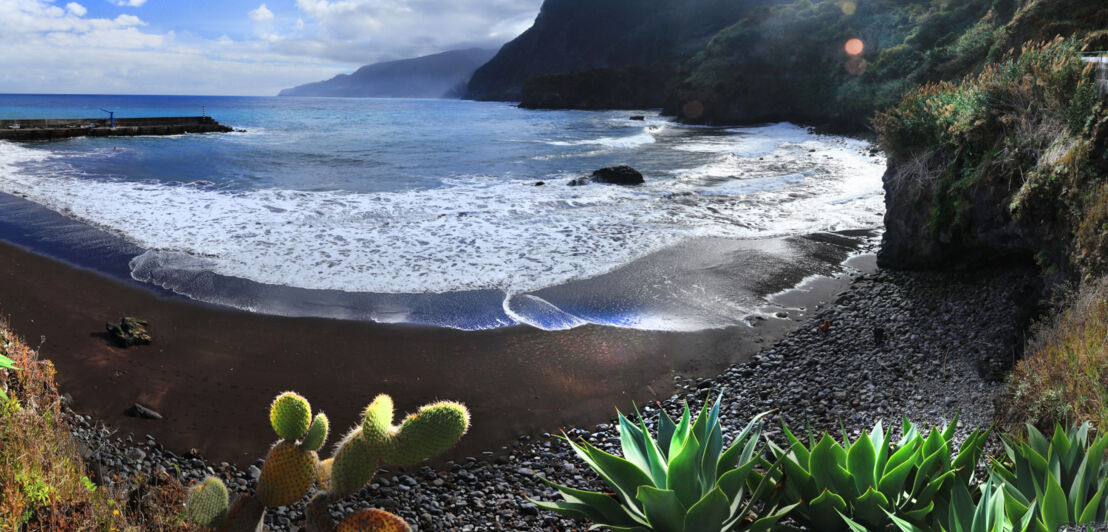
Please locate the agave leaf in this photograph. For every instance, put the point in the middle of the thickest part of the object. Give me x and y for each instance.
(1036, 440)
(1055, 511)
(681, 433)
(932, 488)
(824, 508)
(880, 442)
(731, 457)
(621, 528)
(905, 526)
(1059, 446)
(571, 510)
(709, 460)
(658, 465)
(871, 507)
(700, 424)
(666, 428)
(622, 476)
(905, 453)
(1089, 513)
(892, 484)
(684, 471)
(767, 523)
(1027, 522)
(603, 508)
(920, 515)
(1014, 506)
(860, 462)
(664, 510)
(854, 527)
(950, 428)
(825, 467)
(733, 482)
(960, 514)
(709, 513)
(802, 455)
(633, 443)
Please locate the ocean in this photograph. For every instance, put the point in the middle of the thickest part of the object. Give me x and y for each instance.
(430, 212)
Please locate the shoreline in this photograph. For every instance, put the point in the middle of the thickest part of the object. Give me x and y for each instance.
(944, 333)
(212, 371)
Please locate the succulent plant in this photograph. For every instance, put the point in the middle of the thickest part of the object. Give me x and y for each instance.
(292, 467)
(1065, 477)
(987, 515)
(873, 482)
(683, 480)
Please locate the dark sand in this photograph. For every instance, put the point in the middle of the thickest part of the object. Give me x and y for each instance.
(212, 371)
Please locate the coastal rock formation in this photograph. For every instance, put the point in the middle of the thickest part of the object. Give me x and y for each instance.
(615, 175)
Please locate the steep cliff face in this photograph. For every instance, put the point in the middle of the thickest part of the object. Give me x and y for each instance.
(579, 35)
(1006, 165)
(432, 76)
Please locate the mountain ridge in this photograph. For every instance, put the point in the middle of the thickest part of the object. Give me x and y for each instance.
(441, 75)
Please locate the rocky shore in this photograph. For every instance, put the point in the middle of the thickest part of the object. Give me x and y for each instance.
(927, 345)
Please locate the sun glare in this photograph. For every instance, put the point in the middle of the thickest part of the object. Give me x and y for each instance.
(855, 46)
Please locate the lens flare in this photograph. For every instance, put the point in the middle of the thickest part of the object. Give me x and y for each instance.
(855, 46)
(848, 6)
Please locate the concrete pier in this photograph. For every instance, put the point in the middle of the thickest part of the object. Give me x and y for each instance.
(61, 128)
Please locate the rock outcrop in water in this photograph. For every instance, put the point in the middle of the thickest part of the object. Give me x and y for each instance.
(129, 332)
(615, 175)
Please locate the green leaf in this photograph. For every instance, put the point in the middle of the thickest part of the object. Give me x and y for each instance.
(569, 509)
(633, 443)
(684, 472)
(681, 433)
(860, 461)
(658, 464)
(7, 363)
(892, 484)
(854, 527)
(871, 507)
(905, 526)
(664, 510)
(825, 467)
(666, 428)
(1055, 512)
(602, 508)
(767, 523)
(709, 513)
(824, 508)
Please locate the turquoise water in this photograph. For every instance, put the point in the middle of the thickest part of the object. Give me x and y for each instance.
(427, 211)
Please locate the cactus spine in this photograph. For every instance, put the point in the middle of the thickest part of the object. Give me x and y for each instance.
(292, 466)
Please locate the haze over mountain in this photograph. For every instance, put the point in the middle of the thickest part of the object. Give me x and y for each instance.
(442, 75)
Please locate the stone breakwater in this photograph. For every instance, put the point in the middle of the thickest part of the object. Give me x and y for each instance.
(63, 128)
(927, 345)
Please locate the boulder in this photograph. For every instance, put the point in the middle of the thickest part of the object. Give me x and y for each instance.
(129, 331)
(618, 175)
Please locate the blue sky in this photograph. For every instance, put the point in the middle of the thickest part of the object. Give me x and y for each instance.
(231, 46)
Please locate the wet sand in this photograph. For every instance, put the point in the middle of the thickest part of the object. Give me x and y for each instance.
(212, 371)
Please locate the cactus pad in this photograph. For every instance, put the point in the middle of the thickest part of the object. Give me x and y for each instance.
(207, 503)
(323, 473)
(317, 434)
(433, 430)
(354, 464)
(287, 475)
(245, 516)
(374, 521)
(290, 415)
(377, 420)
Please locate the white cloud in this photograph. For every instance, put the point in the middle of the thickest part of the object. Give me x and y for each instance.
(76, 9)
(363, 31)
(48, 48)
(261, 14)
(129, 3)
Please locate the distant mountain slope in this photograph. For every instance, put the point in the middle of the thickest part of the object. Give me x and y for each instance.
(441, 75)
(623, 36)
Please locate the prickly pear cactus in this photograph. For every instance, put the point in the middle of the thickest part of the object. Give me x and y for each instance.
(292, 466)
(377, 420)
(287, 475)
(290, 415)
(208, 503)
(317, 434)
(373, 521)
(433, 430)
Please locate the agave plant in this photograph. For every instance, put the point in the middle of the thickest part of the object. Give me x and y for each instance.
(874, 482)
(988, 515)
(1065, 477)
(683, 480)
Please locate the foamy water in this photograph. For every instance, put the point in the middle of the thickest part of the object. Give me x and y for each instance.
(470, 232)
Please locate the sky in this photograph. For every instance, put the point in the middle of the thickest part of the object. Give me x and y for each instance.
(231, 47)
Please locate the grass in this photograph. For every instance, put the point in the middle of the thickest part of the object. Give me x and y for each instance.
(1064, 376)
(44, 483)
